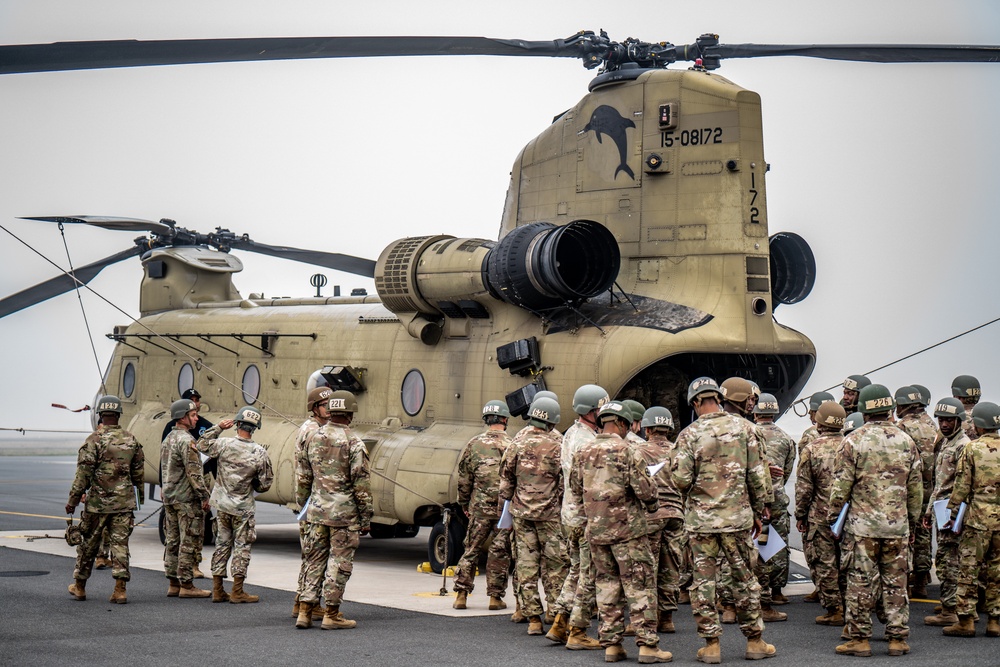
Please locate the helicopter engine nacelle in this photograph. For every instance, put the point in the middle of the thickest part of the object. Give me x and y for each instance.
(535, 267)
(793, 268)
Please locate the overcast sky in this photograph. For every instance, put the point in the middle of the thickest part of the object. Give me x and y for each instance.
(887, 170)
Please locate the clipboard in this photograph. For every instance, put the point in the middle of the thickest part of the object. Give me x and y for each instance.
(956, 527)
(838, 525)
(653, 469)
(506, 518)
(773, 545)
(305, 508)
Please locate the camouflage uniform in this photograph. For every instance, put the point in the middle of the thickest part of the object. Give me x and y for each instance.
(184, 491)
(968, 426)
(306, 431)
(578, 597)
(332, 474)
(976, 483)
(719, 467)
(479, 497)
(240, 464)
(610, 480)
(924, 434)
(877, 471)
(531, 479)
(780, 450)
(109, 472)
(665, 530)
(813, 484)
(946, 560)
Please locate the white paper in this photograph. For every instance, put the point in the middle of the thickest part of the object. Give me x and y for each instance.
(774, 545)
(653, 469)
(506, 520)
(941, 512)
(838, 525)
(302, 514)
(959, 519)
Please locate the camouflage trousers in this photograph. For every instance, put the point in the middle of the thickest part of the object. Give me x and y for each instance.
(726, 585)
(541, 553)
(735, 549)
(578, 597)
(822, 552)
(184, 525)
(978, 553)
(328, 558)
(947, 563)
(625, 581)
(668, 546)
(235, 535)
(776, 569)
(481, 533)
(115, 529)
(876, 565)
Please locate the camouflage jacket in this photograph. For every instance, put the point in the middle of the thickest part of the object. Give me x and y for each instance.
(309, 426)
(949, 454)
(531, 476)
(108, 470)
(670, 504)
(814, 478)
(968, 426)
(610, 480)
(719, 468)
(576, 438)
(479, 473)
(977, 483)
(924, 436)
(878, 471)
(332, 473)
(634, 440)
(241, 463)
(808, 436)
(183, 481)
(780, 451)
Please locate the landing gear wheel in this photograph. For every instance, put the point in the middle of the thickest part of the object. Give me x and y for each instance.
(436, 544)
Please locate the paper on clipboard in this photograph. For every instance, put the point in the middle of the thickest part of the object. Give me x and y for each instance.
(653, 469)
(941, 512)
(838, 525)
(305, 508)
(773, 545)
(959, 519)
(506, 519)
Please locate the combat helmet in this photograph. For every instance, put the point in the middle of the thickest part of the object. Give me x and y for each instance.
(737, 390)
(108, 403)
(181, 407)
(908, 395)
(949, 407)
(966, 386)
(856, 382)
(703, 385)
(545, 393)
(875, 399)
(986, 415)
(615, 410)
(831, 415)
(854, 421)
(317, 395)
(767, 405)
(248, 417)
(657, 417)
(589, 397)
(342, 401)
(637, 408)
(544, 410)
(925, 393)
(496, 409)
(818, 398)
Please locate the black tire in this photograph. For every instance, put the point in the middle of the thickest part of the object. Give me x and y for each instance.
(382, 531)
(436, 544)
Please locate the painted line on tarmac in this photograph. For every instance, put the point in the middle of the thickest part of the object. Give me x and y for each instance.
(40, 516)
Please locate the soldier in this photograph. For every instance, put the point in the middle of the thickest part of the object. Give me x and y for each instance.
(878, 472)
(719, 467)
(333, 479)
(780, 450)
(609, 479)
(908, 411)
(810, 434)
(479, 497)
(665, 531)
(853, 422)
(109, 474)
(813, 483)
(317, 403)
(949, 412)
(976, 485)
(634, 435)
(853, 384)
(185, 499)
(966, 389)
(243, 467)
(577, 600)
(531, 479)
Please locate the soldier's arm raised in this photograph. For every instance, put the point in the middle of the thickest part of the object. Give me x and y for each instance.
(208, 442)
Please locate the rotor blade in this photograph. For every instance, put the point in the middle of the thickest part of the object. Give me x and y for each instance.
(60, 56)
(105, 222)
(60, 284)
(872, 53)
(331, 260)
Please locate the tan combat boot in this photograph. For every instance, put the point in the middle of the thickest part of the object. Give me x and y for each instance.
(758, 649)
(196, 573)
(334, 620)
(559, 632)
(102, 563)
(295, 607)
(684, 597)
(173, 587)
(858, 647)
(898, 646)
(966, 627)
(496, 603)
(630, 630)
(993, 626)
(666, 623)
(461, 600)
(238, 596)
(711, 652)
(812, 597)
(946, 617)
(535, 625)
(118, 597)
(615, 653)
(651, 654)
(305, 619)
(518, 616)
(219, 593)
(188, 590)
(834, 616)
(729, 614)
(550, 618)
(771, 615)
(777, 597)
(918, 589)
(78, 589)
(579, 641)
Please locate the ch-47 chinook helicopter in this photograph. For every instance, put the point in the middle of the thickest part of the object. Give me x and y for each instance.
(634, 252)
